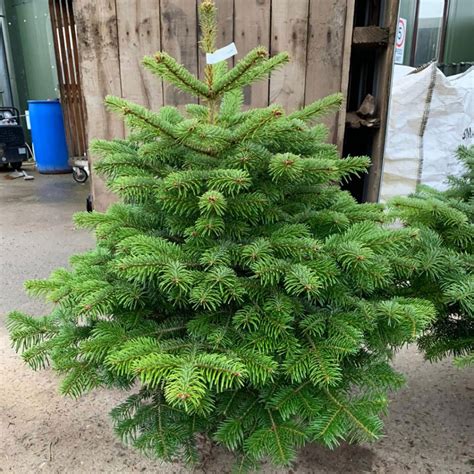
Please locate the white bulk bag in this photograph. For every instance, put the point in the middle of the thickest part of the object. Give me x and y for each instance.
(430, 116)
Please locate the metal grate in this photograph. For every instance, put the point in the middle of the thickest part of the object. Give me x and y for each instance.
(67, 60)
(12, 135)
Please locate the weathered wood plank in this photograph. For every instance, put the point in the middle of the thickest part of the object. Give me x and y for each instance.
(139, 34)
(289, 33)
(225, 22)
(370, 36)
(179, 39)
(346, 63)
(100, 75)
(325, 53)
(252, 28)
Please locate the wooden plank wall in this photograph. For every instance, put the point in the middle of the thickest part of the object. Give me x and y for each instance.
(114, 36)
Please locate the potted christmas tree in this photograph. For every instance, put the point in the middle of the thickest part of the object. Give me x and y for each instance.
(235, 289)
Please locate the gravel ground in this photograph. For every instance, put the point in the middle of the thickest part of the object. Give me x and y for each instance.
(429, 428)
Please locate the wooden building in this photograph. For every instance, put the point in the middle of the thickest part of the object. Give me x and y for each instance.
(113, 36)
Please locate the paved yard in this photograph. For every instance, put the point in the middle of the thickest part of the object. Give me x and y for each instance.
(429, 428)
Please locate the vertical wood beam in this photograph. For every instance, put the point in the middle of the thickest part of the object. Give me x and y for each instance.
(289, 33)
(252, 28)
(179, 36)
(100, 74)
(325, 59)
(139, 34)
(382, 95)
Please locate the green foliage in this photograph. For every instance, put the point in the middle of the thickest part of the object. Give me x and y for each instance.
(442, 261)
(236, 288)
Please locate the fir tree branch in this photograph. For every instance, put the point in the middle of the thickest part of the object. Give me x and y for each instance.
(251, 59)
(152, 121)
(369, 432)
(329, 422)
(165, 66)
(252, 68)
(279, 444)
(256, 123)
(318, 108)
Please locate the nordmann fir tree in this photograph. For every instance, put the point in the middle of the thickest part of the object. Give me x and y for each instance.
(443, 261)
(235, 289)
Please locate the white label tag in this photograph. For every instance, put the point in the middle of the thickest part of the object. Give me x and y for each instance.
(221, 54)
(22, 151)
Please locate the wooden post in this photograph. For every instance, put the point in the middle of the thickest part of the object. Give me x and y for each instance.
(382, 94)
(100, 74)
(139, 34)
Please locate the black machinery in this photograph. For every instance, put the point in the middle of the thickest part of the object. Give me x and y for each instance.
(13, 148)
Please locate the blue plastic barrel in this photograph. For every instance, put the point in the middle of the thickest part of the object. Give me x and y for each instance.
(49, 136)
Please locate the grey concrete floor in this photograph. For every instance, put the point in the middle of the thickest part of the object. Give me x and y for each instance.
(429, 428)
(36, 231)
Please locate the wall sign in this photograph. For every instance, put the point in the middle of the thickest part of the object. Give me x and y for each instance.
(400, 40)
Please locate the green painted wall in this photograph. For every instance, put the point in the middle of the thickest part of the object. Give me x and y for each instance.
(459, 45)
(31, 40)
(7, 79)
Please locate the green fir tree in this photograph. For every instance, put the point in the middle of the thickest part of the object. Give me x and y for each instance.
(235, 289)
(443, 261)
